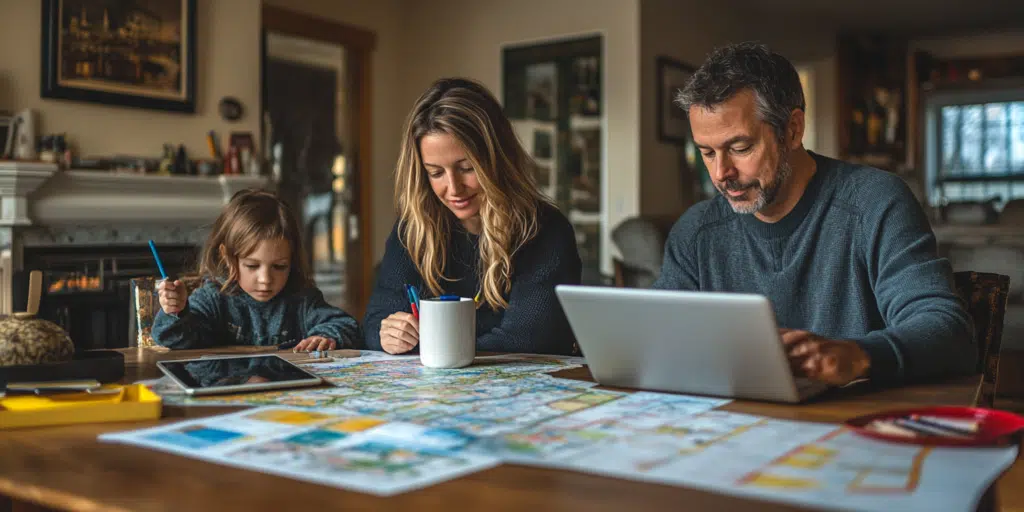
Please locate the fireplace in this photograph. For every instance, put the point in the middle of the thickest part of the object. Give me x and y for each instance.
(86, 289)
(88, 231)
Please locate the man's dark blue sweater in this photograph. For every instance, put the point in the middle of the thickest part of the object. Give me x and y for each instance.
(854, 260)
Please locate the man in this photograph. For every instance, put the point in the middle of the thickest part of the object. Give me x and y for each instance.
(844, 251)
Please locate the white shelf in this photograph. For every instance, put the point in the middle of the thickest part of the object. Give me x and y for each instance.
(585, 123)
(578, 217)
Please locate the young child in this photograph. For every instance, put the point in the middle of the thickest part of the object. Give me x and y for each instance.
(258, 288)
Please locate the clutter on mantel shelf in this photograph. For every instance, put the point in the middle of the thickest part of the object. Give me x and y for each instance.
(19, 142)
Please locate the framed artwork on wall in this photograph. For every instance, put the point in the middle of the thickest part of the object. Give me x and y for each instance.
(139, 53)
(673, 127)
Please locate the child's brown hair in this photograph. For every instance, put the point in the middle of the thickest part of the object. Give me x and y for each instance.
(253, 216)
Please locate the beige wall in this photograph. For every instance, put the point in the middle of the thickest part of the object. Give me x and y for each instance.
(95, 129)
(465, 37)
(685, 30)
(384, 17)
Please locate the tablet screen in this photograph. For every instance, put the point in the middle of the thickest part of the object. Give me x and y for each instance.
(235, 371)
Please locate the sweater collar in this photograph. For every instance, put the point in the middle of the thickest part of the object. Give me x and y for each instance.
(788, 224)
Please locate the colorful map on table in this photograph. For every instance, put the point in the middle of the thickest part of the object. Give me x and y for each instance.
(496, 394)
(651, 437)
(390, 425)
(363, 454)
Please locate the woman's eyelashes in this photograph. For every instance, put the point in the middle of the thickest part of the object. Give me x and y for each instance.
(437, 174)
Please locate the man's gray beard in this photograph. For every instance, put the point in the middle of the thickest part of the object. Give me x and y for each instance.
(765, 196)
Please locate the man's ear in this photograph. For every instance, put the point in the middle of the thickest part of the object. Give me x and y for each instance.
(795, 129)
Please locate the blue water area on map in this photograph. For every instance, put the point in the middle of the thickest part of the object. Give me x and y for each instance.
(195, 437)
(316, 438)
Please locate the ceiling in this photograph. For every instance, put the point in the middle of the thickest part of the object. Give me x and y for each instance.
(911, 17)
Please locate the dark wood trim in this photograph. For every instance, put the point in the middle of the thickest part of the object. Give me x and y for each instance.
(365, 177)
(359, 44)
(304, 25)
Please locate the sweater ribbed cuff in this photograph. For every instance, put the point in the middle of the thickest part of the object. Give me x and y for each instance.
(886, 363)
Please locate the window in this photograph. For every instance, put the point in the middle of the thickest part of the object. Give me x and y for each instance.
(975, 148)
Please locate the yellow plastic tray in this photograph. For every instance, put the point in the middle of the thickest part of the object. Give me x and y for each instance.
(134, 402)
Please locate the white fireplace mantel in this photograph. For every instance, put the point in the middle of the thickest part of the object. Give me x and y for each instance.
(91, 197)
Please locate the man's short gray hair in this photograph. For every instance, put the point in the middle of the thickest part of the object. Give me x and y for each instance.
(731, 69)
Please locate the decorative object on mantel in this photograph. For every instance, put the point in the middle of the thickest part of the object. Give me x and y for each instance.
(242, 154)
(25, 339)
(230, 109)
(54, 149)
(135, 54)
(6, 134)
(673, 126)
(24, 127)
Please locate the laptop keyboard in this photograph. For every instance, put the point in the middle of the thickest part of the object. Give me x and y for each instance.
(804, 385)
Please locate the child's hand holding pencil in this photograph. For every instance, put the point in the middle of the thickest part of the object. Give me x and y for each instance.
(173, 296)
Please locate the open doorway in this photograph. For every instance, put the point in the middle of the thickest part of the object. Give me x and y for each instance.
(316, 127)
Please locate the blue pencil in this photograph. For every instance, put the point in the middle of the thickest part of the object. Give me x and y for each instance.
(156, 257)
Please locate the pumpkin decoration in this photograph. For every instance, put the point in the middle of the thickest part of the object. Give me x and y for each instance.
(27, 340)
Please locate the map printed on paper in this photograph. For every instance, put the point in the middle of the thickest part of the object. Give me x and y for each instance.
(496, 394)
(359, 453)
(651, 437)
(390, 425)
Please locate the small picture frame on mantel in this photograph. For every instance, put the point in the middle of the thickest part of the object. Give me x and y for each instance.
(673, 125)
(138, 54)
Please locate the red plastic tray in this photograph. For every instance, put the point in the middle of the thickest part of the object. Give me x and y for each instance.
(994, 428)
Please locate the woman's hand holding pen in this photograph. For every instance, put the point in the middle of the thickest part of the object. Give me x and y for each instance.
(399, 333)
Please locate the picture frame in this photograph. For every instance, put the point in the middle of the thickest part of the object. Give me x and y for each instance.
(139, 54)
(673, 125)
(241, 140)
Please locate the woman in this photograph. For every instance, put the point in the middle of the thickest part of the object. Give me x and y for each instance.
(471, 222)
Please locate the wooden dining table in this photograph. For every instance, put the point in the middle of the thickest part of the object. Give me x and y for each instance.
(66, 468)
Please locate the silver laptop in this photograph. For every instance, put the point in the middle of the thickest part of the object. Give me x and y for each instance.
(720, 344)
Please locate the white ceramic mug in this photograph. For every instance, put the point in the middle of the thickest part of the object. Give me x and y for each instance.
(447, 332)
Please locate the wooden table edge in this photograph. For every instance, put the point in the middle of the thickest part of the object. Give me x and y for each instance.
(51, 497)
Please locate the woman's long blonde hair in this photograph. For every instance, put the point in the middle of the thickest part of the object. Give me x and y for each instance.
(468, 112)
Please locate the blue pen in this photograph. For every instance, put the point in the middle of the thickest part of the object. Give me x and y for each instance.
(415, 296)
(412, 301)
(156, 257)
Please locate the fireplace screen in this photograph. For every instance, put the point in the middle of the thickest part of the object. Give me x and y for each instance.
(87, 291)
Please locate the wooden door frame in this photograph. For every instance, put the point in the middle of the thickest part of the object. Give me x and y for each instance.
(359, 45)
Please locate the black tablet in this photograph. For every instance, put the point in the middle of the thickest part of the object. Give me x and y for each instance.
(236, 374)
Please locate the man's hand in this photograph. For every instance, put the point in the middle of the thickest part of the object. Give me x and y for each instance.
(835, 362)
